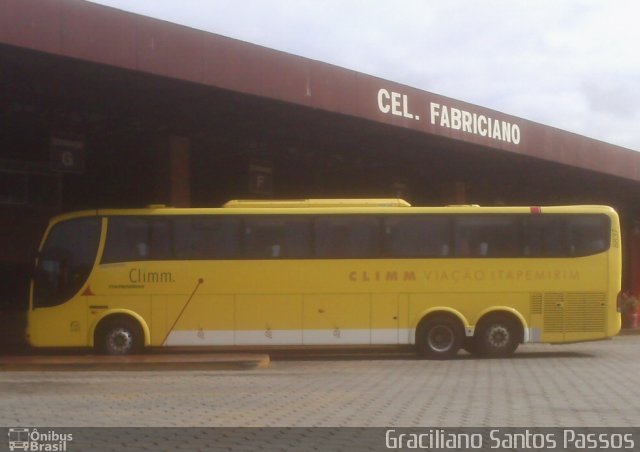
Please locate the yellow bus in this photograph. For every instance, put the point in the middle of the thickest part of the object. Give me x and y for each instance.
(327, 273)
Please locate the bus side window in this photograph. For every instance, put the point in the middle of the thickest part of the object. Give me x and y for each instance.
(416, 236)
(588, 234)
(337, 241)
(463, 248)
(347, 237)
(142, 250)
(137, 239)
(127, 240)
(278, 237)
(207, 237)
(160, 239)
(544, 236)
(487, 236)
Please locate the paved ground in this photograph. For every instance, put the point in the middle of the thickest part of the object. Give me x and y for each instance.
(590, 384)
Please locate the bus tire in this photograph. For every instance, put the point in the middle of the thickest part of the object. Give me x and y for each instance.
(497, 336)
(439, 337)
(119, 336)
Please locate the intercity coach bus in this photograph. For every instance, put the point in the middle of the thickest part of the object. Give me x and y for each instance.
(327, 273)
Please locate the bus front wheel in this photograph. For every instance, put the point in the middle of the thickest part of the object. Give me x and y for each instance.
(119, 336)
(497, 336)
(439, 337)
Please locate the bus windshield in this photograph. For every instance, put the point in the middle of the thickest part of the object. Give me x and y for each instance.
(65, 261)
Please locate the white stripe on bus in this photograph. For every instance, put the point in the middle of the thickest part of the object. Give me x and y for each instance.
(290, 337)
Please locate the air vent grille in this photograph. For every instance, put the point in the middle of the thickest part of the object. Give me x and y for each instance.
(553, 312)
(536, 303)
(585, 312)
(571, 312)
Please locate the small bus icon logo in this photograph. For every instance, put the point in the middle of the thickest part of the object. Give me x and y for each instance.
(18, 439)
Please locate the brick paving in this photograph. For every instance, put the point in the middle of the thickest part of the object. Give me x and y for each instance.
(591, 384)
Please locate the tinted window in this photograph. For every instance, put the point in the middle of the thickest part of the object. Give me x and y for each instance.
(347, 237)
(138, 239)
(487, 236)
(207, 237)
(417, 236)
(588, 234)
(366, 236)
(273, 237)
(544, 236)
(66, 260)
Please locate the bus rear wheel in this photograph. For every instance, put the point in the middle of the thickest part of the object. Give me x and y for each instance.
(497, 336)
(439, 337)
(120, 336)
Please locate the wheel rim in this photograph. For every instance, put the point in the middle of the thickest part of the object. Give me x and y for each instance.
(440, 338)
(498, 336)
(119, 341)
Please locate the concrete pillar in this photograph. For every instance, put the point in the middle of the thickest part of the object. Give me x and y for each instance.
(180, 171)
(173, 172)
(455, 193)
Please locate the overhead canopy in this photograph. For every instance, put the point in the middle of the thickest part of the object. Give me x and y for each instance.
(98, 34)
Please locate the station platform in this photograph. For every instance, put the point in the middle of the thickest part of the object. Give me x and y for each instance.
(151, 361)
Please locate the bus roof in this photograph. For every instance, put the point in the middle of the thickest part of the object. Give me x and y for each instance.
(292, 203)
(338, 206)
